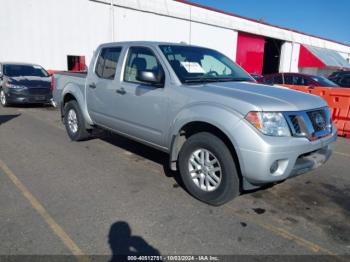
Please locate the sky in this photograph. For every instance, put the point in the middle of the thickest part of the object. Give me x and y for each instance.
(324, 18)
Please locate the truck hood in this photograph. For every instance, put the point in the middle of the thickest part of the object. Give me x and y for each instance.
(30, 81)
(247, 97)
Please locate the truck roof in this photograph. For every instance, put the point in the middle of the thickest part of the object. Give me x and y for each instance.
(152, 43)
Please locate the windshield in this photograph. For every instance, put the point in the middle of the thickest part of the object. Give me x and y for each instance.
(196, 64)
(324, 81)
(24, 70)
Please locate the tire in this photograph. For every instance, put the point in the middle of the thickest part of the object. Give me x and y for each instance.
(3, 100)
(74, 122)
(192, 174)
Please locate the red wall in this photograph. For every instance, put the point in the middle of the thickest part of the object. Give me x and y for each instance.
(250, 52)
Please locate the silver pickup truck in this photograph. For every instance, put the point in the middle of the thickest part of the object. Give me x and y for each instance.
(223, 132)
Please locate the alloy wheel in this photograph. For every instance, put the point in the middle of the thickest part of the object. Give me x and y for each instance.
(205, 170)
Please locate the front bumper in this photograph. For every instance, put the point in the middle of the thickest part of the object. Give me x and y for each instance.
(271, 159)
(17, 97)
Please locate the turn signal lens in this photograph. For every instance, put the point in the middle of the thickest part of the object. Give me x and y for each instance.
(254, 119)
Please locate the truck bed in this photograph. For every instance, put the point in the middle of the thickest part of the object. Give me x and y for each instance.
(63, 79)
(81, 74)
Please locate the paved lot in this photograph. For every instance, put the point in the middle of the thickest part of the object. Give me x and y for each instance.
(61, 197)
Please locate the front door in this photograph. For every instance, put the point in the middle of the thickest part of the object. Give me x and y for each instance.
(142, 108)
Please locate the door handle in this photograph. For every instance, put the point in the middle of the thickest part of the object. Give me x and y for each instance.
(92, 85)
(121, 91)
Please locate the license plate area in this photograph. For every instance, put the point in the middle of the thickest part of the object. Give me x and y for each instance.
(39, 98)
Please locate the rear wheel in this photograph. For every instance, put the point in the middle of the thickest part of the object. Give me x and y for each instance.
(3, 99)
(74, 122)
(208, 170)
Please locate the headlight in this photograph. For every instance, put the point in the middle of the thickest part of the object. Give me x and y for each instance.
(269, 123)
(15, 86)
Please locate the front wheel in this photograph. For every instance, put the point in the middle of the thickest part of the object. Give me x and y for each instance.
(208, 170)
(3, 99)
(74, 122)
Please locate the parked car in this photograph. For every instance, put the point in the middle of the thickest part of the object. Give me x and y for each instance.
(222, 132)
(297, 79)
(24, 83)
(342, 80)
(339, 73)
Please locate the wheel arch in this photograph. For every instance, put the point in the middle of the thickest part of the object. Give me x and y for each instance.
(73, 92)
(193, 127)
(68, 96)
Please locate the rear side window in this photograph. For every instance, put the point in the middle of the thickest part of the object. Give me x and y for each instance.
(294, 80)
(278, 79)
(274, 79)
(345, 81)
(288, 80)
(306, 81)
(107, 62)
(268, 80)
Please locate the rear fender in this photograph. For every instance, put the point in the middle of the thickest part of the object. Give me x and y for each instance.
(75, 91)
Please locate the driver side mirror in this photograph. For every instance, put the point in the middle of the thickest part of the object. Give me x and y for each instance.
(150, 77)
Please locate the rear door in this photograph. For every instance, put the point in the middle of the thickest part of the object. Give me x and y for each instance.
(101, 86)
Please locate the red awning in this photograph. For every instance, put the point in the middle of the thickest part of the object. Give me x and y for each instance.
(311, 56)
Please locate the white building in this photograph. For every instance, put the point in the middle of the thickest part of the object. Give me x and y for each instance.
(59, 33)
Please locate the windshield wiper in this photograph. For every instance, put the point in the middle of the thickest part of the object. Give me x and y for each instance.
(200, 80)
(234, 79)
(216, 79)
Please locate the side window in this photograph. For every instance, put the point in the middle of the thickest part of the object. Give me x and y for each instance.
(269, 80)
(140, 59)
(336, 80)
(306, 81)
(295, 80)
(345, 81)
(298, 80)
(288, 79)
(278, 79)
(107, 62)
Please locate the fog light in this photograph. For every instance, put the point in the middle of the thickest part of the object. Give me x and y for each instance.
(274, 167)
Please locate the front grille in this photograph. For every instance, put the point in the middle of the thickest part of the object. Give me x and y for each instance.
(39, 91)
(312, 124)
(299, 127)
(295, 123)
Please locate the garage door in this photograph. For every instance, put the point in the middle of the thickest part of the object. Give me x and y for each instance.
(250, 52)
